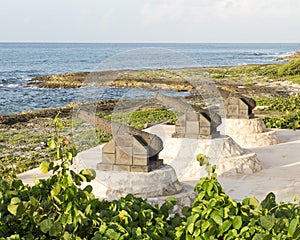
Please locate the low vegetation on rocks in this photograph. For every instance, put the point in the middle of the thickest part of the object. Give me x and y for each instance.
(281, 112)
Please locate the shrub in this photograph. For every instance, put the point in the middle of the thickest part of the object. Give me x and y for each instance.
(290, 69)
(57, 208)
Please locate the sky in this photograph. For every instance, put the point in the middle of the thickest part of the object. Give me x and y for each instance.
(150, 21)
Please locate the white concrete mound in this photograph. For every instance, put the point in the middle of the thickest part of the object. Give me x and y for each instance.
(249, 133)
(223, 152)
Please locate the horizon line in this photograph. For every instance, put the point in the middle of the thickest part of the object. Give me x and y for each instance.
(148, 42)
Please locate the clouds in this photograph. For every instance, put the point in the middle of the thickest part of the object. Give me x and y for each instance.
(150, 20)
(225, 20)
(196, 11)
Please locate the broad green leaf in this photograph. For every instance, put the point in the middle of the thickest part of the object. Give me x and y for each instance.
(171, 199)
(225, 226)
(267, 222)
(44, 167)
(292, 227)
(237, 222)
(217, 218)
(51, 144)
(56, 189)
(55, 230)
(259, 236)
(253, 202)
(269, 202)
(69, 206)
(13, 209)
(190, 228)
(15, 200)
(59, 153)
(90, 174)
(205, 226)
(46, 225)
(69, 156)
(88, 188)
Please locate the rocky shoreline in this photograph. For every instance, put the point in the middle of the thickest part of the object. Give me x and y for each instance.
(23, 136)
(246, 80)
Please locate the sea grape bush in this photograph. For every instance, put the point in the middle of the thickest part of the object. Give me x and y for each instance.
(58, 208)
(214, 215)
(290, 106)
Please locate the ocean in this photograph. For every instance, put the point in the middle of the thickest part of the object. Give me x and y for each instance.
(19, 62)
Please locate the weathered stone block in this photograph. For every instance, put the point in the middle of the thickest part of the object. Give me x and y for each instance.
(192, 116)
(243, 113)
(192, 127)
(205, 131)
(139, 146)
(123, 140)
(233, 101)
(109, 147)
(120, 168)
(104, 167)
(204, 122)
(124, 155)
(179, 129)
(108, 158)
(181, 120)
(233, 110)
(140, 169)
(243, 106)
(140, 160)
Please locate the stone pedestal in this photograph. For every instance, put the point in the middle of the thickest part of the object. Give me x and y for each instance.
(159, 182)
(226, 154)
(249, 133)
(154, 186)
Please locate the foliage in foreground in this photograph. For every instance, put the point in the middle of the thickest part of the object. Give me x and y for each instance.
(215, 215)
(59, 208)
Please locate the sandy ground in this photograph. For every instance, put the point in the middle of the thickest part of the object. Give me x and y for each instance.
(280, 174)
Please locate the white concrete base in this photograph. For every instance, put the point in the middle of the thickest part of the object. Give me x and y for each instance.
(223, 152)
(114, 185)
(184, 199)
(249, 133)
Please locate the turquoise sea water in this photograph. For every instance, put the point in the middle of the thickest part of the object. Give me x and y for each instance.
(19, 62)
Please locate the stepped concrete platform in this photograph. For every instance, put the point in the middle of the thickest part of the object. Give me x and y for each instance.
(280, 174)
(249, 133)
(222, 151)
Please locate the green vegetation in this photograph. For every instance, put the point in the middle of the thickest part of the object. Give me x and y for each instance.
(57, 208)
(139, 118)
(292, 68)
(260, 72)
(20, 153)
(214, 215)
(283, 112)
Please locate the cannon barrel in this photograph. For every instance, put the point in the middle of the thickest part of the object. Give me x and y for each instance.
(154, 143)
(185, 108)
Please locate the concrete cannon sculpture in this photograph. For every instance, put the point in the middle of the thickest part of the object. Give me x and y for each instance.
(243, 126)
(130, 149)
(195, 122)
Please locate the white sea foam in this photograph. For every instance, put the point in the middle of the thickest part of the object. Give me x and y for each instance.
(13, 85)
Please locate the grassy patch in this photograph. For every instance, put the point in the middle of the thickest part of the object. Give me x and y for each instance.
(139, 118)
(281, 112)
